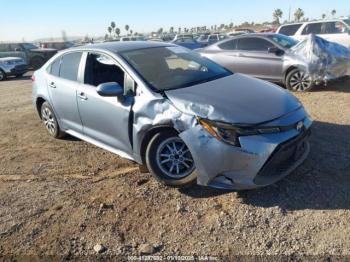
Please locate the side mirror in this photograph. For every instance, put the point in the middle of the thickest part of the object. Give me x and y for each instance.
(275, 50)
(111, 89)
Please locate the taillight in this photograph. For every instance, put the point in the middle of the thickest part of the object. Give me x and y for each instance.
(33, 78)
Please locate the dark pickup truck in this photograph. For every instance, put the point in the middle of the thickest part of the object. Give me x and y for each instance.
(34, 56)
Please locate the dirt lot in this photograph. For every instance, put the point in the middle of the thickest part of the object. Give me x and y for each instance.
(62, 197)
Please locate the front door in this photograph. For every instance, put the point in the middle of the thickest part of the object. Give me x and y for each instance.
(105, 119)
(254, 59)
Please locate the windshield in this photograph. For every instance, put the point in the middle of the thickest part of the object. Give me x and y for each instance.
(29, 46)
(165, 68)
(283, 40)
(203, 38)
(347, 21)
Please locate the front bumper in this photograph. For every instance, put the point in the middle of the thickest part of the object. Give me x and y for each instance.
(15, 69)
(260, 161)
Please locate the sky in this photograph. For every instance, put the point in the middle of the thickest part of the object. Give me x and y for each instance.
(34, 19)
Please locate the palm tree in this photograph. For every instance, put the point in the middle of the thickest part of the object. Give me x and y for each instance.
(117, 31)
(323, 16)
(131, 32)
(334, 12)
(277, 14)
(299, 13)
(127, 29)
(160, 31)
(172, 29)
(109, 30)
(113, 25)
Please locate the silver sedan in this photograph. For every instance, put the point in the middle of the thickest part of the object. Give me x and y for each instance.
(183, 117)
(264, 56)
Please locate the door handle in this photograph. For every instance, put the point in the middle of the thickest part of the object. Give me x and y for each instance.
(52, 85)
(82, 96)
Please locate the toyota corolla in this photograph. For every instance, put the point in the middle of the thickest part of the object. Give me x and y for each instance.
(181, 116)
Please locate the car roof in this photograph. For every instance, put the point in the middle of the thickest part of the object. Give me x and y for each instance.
(118, 47)
(316, 21)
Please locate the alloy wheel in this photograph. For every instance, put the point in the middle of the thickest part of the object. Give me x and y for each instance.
(300, 81)
(49, 120)
(174, 158)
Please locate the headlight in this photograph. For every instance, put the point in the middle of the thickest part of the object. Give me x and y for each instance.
(229, 133)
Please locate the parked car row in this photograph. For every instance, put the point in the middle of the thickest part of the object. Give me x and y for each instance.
(272, 57)
(35, 57)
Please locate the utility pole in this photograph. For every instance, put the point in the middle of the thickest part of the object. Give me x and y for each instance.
(289, 14)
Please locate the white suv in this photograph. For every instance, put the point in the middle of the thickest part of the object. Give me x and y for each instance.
(335, 30)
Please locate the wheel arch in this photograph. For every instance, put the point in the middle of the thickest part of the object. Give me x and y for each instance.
(38, 103)
(149, 134)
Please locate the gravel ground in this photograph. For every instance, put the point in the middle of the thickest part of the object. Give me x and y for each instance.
(63, 197)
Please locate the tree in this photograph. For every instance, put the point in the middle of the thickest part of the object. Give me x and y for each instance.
(323, 16)
(106, 36)
(160, 31)
(131, 32)
(299, 13)
(117, 31)
(333, 12)
(179, 31)
(109, 30)
(127, 29)
(172, 29)
(113, 25)
(277, 14)
(231, 25)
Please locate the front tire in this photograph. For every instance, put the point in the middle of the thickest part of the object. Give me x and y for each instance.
(2, 75)
(299, 80)
(50, 121)
(170, 161)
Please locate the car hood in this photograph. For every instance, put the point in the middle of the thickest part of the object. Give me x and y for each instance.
(235, 99)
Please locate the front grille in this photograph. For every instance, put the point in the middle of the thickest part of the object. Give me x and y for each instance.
(284, 156)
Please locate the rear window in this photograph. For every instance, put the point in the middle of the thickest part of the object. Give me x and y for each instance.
(55, 67)
(289, 29)
(70, 66)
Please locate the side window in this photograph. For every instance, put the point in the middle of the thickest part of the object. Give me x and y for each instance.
(55, 67)
(102, 69)
(14, 47)
(289, 29)
(333, 28)
(70, 66)
(213, 37)
(253, 44)
(229, 45)
(314, 28)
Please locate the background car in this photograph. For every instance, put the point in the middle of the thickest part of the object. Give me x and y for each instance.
(263, 56)
(189, 43)
(12, 66)
(56, 45)
(210, 39)
(35, 57)
(335, 30)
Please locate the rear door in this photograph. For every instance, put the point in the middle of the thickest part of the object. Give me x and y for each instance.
(63, 84)
(254, 59)
(106, 119)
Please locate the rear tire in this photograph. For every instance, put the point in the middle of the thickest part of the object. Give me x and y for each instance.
(299, 80)
(50, 121)
(169, 160)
